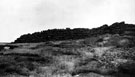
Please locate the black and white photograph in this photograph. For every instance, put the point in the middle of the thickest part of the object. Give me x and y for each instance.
(67, 38)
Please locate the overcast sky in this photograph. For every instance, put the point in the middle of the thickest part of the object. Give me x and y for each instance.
(19, 17)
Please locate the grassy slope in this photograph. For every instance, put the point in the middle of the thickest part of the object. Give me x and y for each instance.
(103, 56)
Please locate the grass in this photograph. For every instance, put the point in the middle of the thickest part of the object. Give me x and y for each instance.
(82, 58)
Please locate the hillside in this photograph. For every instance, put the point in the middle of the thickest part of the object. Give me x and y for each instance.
(73, 34)
(108, 53)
